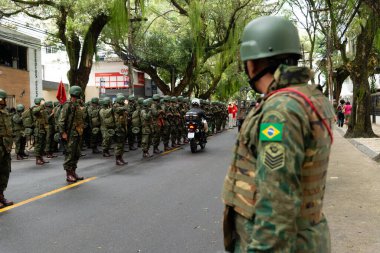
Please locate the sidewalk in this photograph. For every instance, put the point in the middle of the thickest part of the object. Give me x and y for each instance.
(369, 146)
(352, 199)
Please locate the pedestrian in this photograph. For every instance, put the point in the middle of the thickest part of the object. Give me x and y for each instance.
(6, 142)
(71, 127)
(347, 112)
(234, 112)
(340, 113)
(273, 191)
(230, 113)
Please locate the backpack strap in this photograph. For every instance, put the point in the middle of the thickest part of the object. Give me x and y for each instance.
(307, 99)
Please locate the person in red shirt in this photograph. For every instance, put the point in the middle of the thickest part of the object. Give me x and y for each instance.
(230, 115)
(234, 111)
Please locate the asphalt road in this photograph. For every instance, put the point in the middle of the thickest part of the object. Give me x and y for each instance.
(169, 203)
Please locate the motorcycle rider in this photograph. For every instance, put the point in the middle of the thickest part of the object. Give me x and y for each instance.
(195, 108)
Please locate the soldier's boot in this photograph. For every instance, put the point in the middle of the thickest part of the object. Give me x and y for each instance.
(70, 177)
(39, 160)
(51, 155)
(106, 153)
(19, 157)
(76, 175)
(119, 160)
(156, 150)
(174, 145)
(185, 140)
(146, 154)
(4, 201)
(166, 147)
(95, 150)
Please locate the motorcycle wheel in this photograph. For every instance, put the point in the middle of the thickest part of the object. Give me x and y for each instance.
(193, 146)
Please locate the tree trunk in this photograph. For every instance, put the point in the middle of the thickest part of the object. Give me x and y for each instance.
(341, 76)
(360, 125)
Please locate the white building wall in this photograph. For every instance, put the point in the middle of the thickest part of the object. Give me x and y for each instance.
(35, 74)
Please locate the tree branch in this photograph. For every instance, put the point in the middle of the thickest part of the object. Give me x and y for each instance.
(181, 10)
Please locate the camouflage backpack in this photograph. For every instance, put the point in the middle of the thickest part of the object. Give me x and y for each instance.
(28, 121)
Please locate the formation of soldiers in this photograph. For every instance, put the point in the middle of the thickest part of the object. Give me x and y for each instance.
(126, 124)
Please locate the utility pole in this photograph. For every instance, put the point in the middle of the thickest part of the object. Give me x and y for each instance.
(130, 68)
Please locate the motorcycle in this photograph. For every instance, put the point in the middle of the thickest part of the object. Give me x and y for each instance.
(195, 131)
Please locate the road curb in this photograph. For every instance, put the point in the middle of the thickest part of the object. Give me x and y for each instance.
(361, 147)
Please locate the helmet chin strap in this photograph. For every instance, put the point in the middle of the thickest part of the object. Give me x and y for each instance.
(253, 80)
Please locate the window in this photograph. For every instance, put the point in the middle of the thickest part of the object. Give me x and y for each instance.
(12, 55)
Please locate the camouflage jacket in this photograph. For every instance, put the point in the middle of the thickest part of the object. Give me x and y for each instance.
(71, 119)
(278, 171)
(6, 130)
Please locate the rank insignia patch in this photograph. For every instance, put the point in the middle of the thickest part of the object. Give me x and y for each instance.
(274, 156)
(271, 131)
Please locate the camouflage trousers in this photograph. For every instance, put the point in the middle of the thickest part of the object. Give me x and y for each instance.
(95, 139)
(5, 168)
(120, 137)
(166, 134)
(310, 239)
(131, 137)
(49, 143)
(146, 138)
(20, 143)
(156, 135)
(174, 132)
(39, 141)
(106, 140)
(73, 151)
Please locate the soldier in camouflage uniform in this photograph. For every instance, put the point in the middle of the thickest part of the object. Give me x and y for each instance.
(41, 124)
(71, 127)
(146, 127)
(94, 124)
(5, 148)
(157, 123)
(18, 132)
(121, 118)
(275, 185)
(107, 125)
(174, 122)
(131, 107)
(166, 129)
(49, 130)
(136, 120)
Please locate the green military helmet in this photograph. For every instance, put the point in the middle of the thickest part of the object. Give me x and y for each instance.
(180, 98)
(3, 94)
(131, 98)
(75, 91)
(269, 36)
(166, 98)
(38, 100)
(20, 107)
(147, 102)
(135, 130)
(161, 100)
(140, 100)
(120, 99)
(156, 97)
(106, 100)
(49, 103)
(95, 100)
(173, 99)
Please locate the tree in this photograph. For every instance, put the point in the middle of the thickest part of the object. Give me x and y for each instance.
(362, 15)
(77, 25)
(189, 43)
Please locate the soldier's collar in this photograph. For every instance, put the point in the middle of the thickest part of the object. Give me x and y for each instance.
(286, 75)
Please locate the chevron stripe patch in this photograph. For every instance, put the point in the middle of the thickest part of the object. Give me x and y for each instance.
(274, 156)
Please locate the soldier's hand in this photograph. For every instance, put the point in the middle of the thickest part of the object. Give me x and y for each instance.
(64, 136)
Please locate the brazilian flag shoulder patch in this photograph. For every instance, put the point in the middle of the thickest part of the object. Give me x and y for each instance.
(271, 131)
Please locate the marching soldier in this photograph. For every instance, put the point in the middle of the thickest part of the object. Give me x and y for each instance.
(94, 123)
(107, 125)
(5, 148)
(166, 130)
(132, 132)
(146, 128)
(50, 128)
(121, 116)
(275, 185)
(41, 124)
(18, 133)
(157, 124)
(71, 127)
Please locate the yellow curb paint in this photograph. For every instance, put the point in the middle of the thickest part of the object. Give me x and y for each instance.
(46, 194)
(167, 152)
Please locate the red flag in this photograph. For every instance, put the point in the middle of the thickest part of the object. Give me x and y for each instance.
(61, 93)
